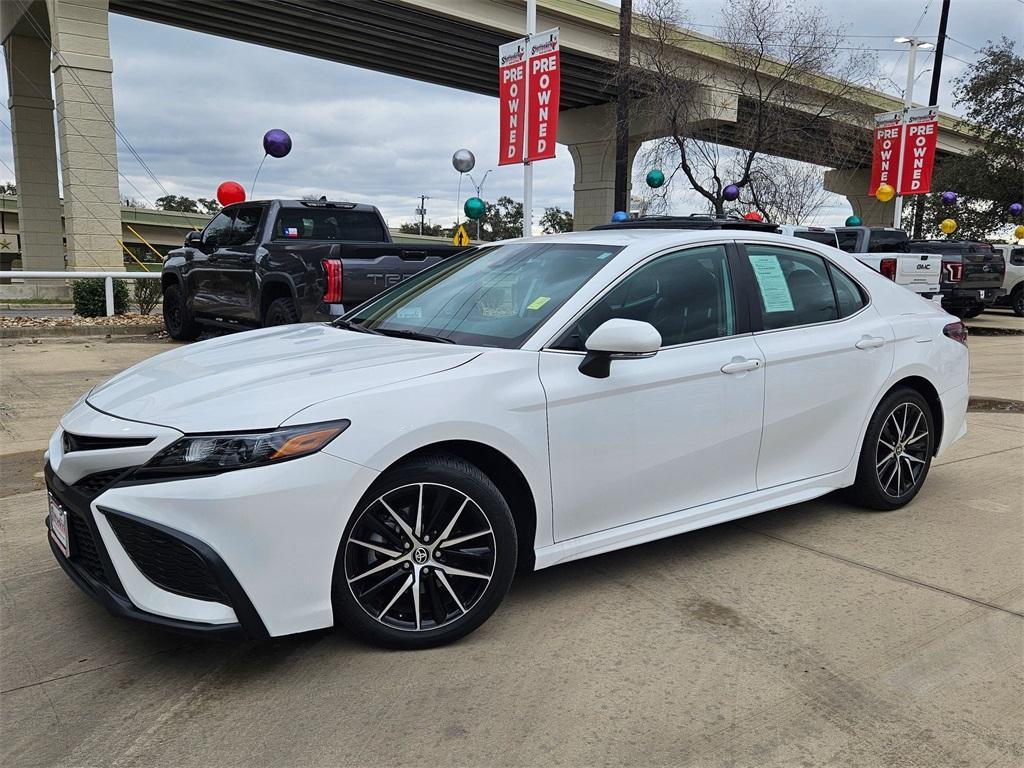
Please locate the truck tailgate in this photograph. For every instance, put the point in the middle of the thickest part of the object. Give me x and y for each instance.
(919, 269)
(983, 270)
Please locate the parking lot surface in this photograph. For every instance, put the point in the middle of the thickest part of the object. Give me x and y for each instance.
(818, 634)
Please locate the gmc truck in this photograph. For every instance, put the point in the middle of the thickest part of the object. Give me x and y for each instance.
(273, 262)
(972, 274)
(887, 250)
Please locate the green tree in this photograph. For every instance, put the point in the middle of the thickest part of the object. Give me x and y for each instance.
(991, 95)
(8, 188)
(207, 206)
(502, 220)
(555, 220)
(413, 228)
(177, 203)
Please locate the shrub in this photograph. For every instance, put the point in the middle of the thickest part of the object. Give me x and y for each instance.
(90, 298)
(147, 294)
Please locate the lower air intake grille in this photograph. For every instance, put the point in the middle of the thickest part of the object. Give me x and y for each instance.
(91, 485)
(167, 562)
(83, 548)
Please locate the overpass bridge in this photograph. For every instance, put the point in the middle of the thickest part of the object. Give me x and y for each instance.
(451, 43)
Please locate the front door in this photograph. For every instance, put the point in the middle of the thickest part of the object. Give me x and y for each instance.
(235, 266)
(202, 272)
(827, 354)
(660, 434)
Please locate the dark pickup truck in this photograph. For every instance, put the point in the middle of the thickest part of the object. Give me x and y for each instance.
(274, 262)
(972, 274)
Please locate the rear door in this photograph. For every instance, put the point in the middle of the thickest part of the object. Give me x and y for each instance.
(827, 353)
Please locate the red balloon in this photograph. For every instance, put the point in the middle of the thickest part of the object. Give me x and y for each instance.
(753, 216)
(230, 192)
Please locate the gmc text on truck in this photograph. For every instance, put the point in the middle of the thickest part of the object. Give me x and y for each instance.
(273, 262)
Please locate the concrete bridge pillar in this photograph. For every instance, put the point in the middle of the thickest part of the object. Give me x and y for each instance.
(85, 120)
(35, 156)
(854, 184)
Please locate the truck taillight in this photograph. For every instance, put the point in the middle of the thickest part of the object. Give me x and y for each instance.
(888, 268)
(333, 279)
(956, 331)
(954, 271)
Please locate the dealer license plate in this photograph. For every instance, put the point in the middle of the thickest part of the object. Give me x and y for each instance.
(59, 526)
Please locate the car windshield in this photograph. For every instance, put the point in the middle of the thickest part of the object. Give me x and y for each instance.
(491, 296)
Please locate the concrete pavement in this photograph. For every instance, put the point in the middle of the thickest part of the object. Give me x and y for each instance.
(818, 634)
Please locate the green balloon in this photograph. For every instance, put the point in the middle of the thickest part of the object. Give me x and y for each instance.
(475, 208)
(853, 221)
(655, 179)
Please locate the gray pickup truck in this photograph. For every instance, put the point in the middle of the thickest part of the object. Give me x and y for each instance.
(274, 262)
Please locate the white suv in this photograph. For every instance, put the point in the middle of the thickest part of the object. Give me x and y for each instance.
(1013, 281)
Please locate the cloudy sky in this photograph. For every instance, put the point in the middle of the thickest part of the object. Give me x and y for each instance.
(195, 108)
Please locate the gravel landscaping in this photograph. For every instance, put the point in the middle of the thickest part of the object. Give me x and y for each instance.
(128, 319)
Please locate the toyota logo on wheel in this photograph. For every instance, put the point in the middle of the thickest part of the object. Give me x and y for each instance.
(420, 555)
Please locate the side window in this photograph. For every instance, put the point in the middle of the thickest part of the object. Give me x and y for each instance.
(247, 221)
(216, 233)
(794, 287)
(849, 295)
(686, 295)
(847, 241)
(360, 226)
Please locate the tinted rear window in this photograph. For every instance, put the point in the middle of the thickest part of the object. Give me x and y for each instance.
(847, 241)
(825, 238)
(328, 224)
(888, 241)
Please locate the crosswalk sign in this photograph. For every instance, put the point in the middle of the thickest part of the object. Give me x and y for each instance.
(461, 236)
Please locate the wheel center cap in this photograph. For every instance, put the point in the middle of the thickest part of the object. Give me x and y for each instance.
(420, 555)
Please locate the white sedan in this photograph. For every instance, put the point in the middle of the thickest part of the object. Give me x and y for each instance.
(518, 405)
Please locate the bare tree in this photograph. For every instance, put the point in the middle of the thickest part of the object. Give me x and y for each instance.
(785, 191)
(777, 81)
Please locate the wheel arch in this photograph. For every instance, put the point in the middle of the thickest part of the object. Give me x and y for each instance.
(508, 478)
(167, 279)
(927, 390)
(271, 290)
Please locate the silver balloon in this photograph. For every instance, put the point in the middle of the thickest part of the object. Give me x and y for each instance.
(463, 161)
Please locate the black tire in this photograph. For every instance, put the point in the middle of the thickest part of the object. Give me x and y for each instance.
(895, 434)
(1017, 301)
(445, 607)
(178, 318)
(281, 312)
(974, 311)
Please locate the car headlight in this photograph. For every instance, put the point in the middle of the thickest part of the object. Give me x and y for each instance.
(211, 454)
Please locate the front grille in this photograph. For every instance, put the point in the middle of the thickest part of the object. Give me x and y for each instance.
(74, 442)
(84, 553)
(166, 561)
(92, 485)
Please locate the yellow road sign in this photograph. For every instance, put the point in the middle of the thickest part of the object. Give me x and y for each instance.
(461, 236)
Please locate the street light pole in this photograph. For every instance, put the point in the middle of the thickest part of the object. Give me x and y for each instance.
(531, 30)
(480, 194)
(908, 102)
(422, 211)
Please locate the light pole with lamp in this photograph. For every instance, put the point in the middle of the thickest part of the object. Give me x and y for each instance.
(908, 99)
(479, 193)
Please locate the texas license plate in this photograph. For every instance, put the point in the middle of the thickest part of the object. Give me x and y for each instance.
(59, 526)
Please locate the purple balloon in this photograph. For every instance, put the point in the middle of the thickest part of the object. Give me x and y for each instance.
(1015, 209)
(731, 192)
(277, 143)
(949, 198)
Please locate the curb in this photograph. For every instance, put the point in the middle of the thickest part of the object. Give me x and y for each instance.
(983, 330)
(14, 306)
(79, 331)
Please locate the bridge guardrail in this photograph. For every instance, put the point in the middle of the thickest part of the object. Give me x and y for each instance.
(108, 279)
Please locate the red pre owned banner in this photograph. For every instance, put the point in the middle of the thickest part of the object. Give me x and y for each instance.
(512, 95)
(920, 136)
(886, 154)
(544, 88)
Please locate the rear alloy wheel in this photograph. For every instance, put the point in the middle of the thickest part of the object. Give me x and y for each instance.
(897, 451)
(1017, 301)
(281, 312)
(427, 558)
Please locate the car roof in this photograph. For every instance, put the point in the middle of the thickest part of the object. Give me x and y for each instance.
(656, 239)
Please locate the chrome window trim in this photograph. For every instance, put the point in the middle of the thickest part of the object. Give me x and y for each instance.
(724, 244)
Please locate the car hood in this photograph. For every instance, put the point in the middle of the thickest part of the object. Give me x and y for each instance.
(258, 379)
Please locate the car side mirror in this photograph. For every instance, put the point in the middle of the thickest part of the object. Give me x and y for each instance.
(620, 339)
(193, 239)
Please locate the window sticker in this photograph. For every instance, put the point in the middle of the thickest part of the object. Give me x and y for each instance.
(409, 313)
(772, 282)
(539, 302)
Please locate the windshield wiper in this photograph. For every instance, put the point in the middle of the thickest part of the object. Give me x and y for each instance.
(412, 335)
(348, 325)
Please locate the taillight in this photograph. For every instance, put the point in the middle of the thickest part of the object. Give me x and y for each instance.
(888, 268)
(956, 331)
(954, 271)
(333, 278)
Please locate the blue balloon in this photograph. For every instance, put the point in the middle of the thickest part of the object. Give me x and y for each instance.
(620, 216)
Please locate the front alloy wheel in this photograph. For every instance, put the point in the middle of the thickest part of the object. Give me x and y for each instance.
(427, 561)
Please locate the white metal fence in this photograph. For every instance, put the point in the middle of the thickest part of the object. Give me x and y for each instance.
(108, 279)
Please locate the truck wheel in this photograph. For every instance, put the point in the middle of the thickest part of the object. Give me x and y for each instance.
(281, 312)
(974, 311)
(1017, 301)
(178, 319)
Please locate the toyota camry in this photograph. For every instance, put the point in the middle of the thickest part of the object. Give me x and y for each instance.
(519, 405)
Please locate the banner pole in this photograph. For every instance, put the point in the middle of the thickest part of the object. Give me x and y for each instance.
(531, 29)
(908, 103)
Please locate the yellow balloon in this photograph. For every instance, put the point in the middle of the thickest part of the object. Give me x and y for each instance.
(885, 193)
(1019, 232)
(948, 226)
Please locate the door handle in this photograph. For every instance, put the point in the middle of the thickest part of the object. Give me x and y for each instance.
(741, 366)
(870, 342)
